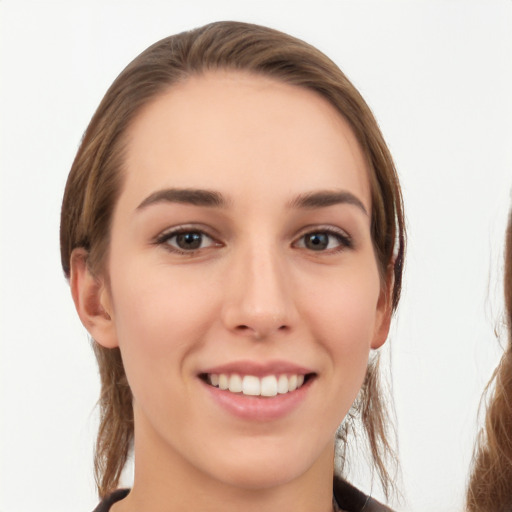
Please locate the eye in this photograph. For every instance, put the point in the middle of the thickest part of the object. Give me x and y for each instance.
(324, 240)
(186, 240)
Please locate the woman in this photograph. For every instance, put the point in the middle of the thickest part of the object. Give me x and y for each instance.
(490, 487)
(233, 233)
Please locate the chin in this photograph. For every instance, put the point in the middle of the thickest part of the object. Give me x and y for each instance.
(261, 476)
(260, 466)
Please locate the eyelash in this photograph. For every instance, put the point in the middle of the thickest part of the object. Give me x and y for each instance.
(344, 240)
(166, 236)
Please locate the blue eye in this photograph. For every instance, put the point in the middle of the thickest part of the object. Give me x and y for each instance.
(186, 240)
(324, 241)
(316, 241)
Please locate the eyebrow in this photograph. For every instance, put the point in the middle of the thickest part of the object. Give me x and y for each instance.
(213, 199)
(195, 197)
(325, 198)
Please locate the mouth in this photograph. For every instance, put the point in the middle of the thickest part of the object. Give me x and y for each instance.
(267, 386)
(258, 392)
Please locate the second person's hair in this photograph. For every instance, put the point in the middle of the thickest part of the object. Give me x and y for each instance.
(490, 487)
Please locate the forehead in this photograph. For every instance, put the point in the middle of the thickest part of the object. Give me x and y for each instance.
(240, 132)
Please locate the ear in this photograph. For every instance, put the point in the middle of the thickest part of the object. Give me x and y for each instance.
(384, 311)
(92, 300)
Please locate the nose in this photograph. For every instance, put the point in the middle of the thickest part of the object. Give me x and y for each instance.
(258, 297)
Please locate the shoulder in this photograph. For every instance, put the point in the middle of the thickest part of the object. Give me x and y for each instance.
(350, 499)
(107, 502)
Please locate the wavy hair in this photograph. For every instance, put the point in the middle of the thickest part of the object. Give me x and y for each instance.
(490, 485)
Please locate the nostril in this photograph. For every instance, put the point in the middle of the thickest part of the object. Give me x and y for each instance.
(246, 330)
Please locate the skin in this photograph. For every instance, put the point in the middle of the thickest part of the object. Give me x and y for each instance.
(254, 290)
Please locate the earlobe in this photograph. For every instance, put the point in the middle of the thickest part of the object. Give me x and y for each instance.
(92, 300)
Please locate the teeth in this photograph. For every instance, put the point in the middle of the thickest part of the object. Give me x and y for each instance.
(249, 385)
(282, 384)
(235, 383)
(269, 386)
(223, 381)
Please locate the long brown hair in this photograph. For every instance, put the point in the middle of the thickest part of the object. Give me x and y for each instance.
(490, 486)
(96, 178)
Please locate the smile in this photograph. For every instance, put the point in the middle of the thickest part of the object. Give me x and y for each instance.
(250, 385)
(258, 392)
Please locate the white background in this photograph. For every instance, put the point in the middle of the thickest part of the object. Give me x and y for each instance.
(438, 75)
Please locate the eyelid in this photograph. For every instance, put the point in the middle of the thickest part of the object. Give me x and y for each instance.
(346, 241)
(180, 228)
(168, 233)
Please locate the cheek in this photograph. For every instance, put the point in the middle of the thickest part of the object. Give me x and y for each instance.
(348, 307)
(157, 320)
(346, 321)
(344, 328)
(158, 327)
(156, 300)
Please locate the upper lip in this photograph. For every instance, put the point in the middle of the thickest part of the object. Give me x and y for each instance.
(258, 369)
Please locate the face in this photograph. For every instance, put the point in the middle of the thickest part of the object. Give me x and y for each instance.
(241, 283)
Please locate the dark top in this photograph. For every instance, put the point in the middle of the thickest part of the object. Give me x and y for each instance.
(107, 502)
(350, 499)
(347, 498)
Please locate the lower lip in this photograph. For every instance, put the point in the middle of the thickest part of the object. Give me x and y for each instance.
(255, 408)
